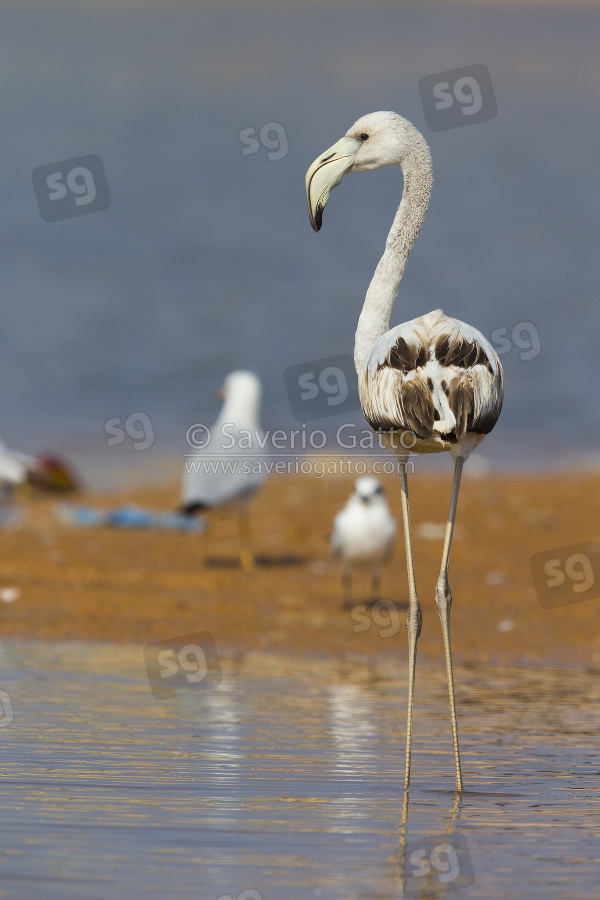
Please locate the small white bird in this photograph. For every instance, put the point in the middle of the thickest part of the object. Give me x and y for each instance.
(363, 534)
(229, 468)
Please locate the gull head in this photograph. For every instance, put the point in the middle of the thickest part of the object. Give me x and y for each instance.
(368, 490)
(241, 394)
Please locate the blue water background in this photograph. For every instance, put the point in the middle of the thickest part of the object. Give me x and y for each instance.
(205, 261)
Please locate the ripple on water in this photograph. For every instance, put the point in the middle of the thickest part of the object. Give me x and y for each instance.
(287, 780)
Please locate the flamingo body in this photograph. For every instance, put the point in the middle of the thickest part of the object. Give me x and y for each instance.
(435, 377)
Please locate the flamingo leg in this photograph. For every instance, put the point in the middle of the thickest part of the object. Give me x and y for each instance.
(413, 619)
(246, 555)
(443, 600)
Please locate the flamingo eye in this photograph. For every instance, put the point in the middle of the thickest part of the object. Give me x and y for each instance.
(363, 137)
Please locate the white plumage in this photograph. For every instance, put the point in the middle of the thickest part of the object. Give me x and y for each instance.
(13, 466)
(363, 533)
(364, 530)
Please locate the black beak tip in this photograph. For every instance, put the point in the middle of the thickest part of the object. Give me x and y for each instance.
(317, 220)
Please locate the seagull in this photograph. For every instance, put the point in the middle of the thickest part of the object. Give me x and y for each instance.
(363, 534)
(228, 469)
(14, 468)
(430, 385)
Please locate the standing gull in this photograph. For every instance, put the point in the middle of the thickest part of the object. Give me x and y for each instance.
(363, 534)
(229, 468)
(434, 378)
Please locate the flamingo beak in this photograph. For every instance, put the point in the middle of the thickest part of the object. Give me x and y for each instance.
(326, 173)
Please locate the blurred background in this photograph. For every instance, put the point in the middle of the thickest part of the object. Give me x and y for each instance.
(205, 261)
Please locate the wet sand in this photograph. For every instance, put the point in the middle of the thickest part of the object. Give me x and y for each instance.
(142, 586)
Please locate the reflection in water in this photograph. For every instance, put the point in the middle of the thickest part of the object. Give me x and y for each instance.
(430, 866)
(350, 719)
(288, 780)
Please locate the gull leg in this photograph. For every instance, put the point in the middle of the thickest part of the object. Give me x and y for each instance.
(443, 600)
(205, 542)
(376, 583)
(413, 618)
(346, 585)
(246, 554)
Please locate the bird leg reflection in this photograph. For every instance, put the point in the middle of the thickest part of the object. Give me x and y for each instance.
(443, 599)
(413, 619)
(400, 854)
(454, 813)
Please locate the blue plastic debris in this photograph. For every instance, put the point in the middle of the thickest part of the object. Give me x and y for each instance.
(127, 517)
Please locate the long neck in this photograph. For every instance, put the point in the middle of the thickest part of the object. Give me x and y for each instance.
(375, 316)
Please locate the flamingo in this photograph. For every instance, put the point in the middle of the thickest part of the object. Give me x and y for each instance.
(430, 385)
(363, 534)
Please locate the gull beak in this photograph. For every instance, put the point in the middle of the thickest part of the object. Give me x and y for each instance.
(220, 394)
(326, 173)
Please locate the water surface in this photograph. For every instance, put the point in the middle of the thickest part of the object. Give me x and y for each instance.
(286, 780)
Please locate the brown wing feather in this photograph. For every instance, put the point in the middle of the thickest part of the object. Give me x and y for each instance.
(458, 351)
(475, 399)
(390, 402)
(396, 390)
(417, 408)
(406, 357)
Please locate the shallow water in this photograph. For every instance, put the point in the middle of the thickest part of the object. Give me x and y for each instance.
(285, 781)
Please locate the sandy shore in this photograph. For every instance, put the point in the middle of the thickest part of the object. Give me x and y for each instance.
(142, 586)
